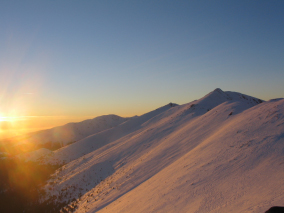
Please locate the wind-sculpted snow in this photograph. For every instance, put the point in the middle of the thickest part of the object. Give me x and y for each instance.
(222, 153)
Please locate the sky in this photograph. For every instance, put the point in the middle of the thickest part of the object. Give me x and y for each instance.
(64, 61)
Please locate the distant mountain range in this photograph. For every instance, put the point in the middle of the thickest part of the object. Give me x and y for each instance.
(221, 153)
(60, 136)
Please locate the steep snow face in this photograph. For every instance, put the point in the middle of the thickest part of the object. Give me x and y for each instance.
(72, 132)
(180, 159)
(239, 167)
(218, 163)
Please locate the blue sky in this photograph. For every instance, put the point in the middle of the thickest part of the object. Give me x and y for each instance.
(88, 58)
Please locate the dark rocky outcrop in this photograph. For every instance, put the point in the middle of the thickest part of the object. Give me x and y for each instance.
(275, 209)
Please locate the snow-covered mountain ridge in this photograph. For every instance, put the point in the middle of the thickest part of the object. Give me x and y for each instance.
(215, 154)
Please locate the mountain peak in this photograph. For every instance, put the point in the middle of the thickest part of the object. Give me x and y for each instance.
(218, 96)
(217, 90)
(172, 104)
(217, 93)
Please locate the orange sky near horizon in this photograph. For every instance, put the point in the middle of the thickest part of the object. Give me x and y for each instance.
(15, 126)
(11, 126)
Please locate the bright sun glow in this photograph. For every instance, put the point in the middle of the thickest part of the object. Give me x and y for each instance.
(4, 117)
(11, 126)
(7, 118)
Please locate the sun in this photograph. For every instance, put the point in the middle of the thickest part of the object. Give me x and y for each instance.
(3, 118)
(6, 118)
(10, 126)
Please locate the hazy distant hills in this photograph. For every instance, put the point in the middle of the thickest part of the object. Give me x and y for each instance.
(71, 132)
(221, 153)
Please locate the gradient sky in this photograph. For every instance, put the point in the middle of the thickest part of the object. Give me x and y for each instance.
(63, 61)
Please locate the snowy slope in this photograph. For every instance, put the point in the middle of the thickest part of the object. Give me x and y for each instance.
(238, 168)
(72, 132)
(221, 153)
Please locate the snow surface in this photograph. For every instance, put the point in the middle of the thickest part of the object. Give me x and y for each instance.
(221, 153)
